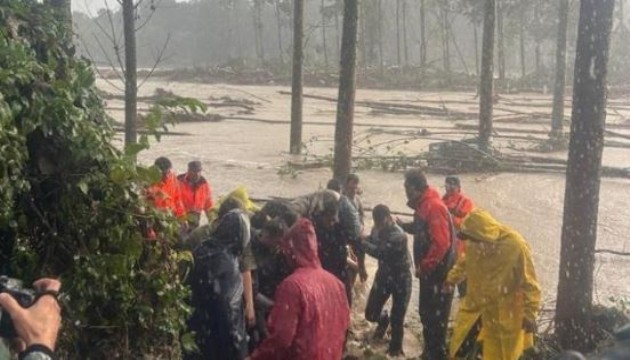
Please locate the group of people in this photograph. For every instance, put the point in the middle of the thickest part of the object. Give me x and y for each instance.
(276, 282)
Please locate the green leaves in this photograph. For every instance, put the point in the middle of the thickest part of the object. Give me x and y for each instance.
(72, 205)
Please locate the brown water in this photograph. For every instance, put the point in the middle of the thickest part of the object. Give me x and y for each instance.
(237, 152)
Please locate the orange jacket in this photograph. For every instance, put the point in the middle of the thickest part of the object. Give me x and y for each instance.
(167, 195)
(459, 205)
(197, 197)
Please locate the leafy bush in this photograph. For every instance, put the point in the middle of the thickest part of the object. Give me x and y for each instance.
(71, 204)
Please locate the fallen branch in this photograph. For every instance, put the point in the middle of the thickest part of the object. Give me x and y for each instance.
(613, 252)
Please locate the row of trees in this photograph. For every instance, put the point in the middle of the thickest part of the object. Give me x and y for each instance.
(431, 34)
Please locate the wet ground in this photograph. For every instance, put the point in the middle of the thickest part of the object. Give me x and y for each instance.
(250, 152)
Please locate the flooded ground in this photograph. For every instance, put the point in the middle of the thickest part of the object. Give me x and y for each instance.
(251, 152)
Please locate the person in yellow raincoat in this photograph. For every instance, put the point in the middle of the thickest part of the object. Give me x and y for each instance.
(503, 296)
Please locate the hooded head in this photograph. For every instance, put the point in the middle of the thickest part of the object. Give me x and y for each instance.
(232, 231)
(300, 245)
(479, 225)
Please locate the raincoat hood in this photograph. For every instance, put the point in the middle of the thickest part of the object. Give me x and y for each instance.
(300, 245)
(481, 226)
(233, 231)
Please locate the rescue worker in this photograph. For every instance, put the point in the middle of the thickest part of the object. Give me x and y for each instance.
(388, 244)
(217, 291)
(311, 314)
(352, 191)
(503, 297)
(196, 194)
(459, 205)
(337, 225)
(434, 255)
(166, 194)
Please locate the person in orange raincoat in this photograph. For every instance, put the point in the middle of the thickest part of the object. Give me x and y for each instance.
(504, 295)
(196, 194)
(459, 205)
(166, 194)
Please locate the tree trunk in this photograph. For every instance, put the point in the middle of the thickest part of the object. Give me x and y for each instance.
(522, 45)
(423, 34)
(380, 35)
(345, 105)
(579, 230)
(557, 114)
(338, 30)
(446, 53)
(296, 89)
(486, 83)
(131, 90)
(323, 11)
(476, 39)
(500, 40)
(279, 25)
(537, 50)
(405, 43)
(398, 52)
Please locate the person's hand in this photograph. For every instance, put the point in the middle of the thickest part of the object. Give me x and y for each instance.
(363, 275)
(529, 326)
(250, 316)
(399, 221)
(448, 288)
(40, 323)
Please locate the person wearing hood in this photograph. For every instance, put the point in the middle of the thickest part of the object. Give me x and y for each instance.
(311, 315)
(434, 254)
(337, 225)
(504, 295)
(217, 290)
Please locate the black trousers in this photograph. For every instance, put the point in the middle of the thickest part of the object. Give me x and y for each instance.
(398, 286)
(435, 309)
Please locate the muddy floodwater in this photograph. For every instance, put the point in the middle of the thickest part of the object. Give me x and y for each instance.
(250, 152)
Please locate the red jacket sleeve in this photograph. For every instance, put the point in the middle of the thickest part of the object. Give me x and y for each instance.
(440, 232)
(283, 323)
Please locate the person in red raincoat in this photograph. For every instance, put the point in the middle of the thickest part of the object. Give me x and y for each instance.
(311, 315)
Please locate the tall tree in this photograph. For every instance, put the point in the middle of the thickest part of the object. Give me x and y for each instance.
(279, 30)
(296, 88)
(521, 35)
(131, 77)
(581, 202)
(444, 27)
(345, 105)
(398, 49)
(404, 27)
(324, 17)
(557, 114)
(500, 39)
(423, 34)
(486, 83)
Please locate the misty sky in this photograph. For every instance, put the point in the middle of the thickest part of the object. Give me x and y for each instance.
(92, 6)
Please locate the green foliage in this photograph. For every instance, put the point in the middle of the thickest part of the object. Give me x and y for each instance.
(72, 205)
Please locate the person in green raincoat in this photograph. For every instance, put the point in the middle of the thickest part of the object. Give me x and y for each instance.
(504, 296)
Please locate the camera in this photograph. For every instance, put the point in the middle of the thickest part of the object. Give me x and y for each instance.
(25, 297)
